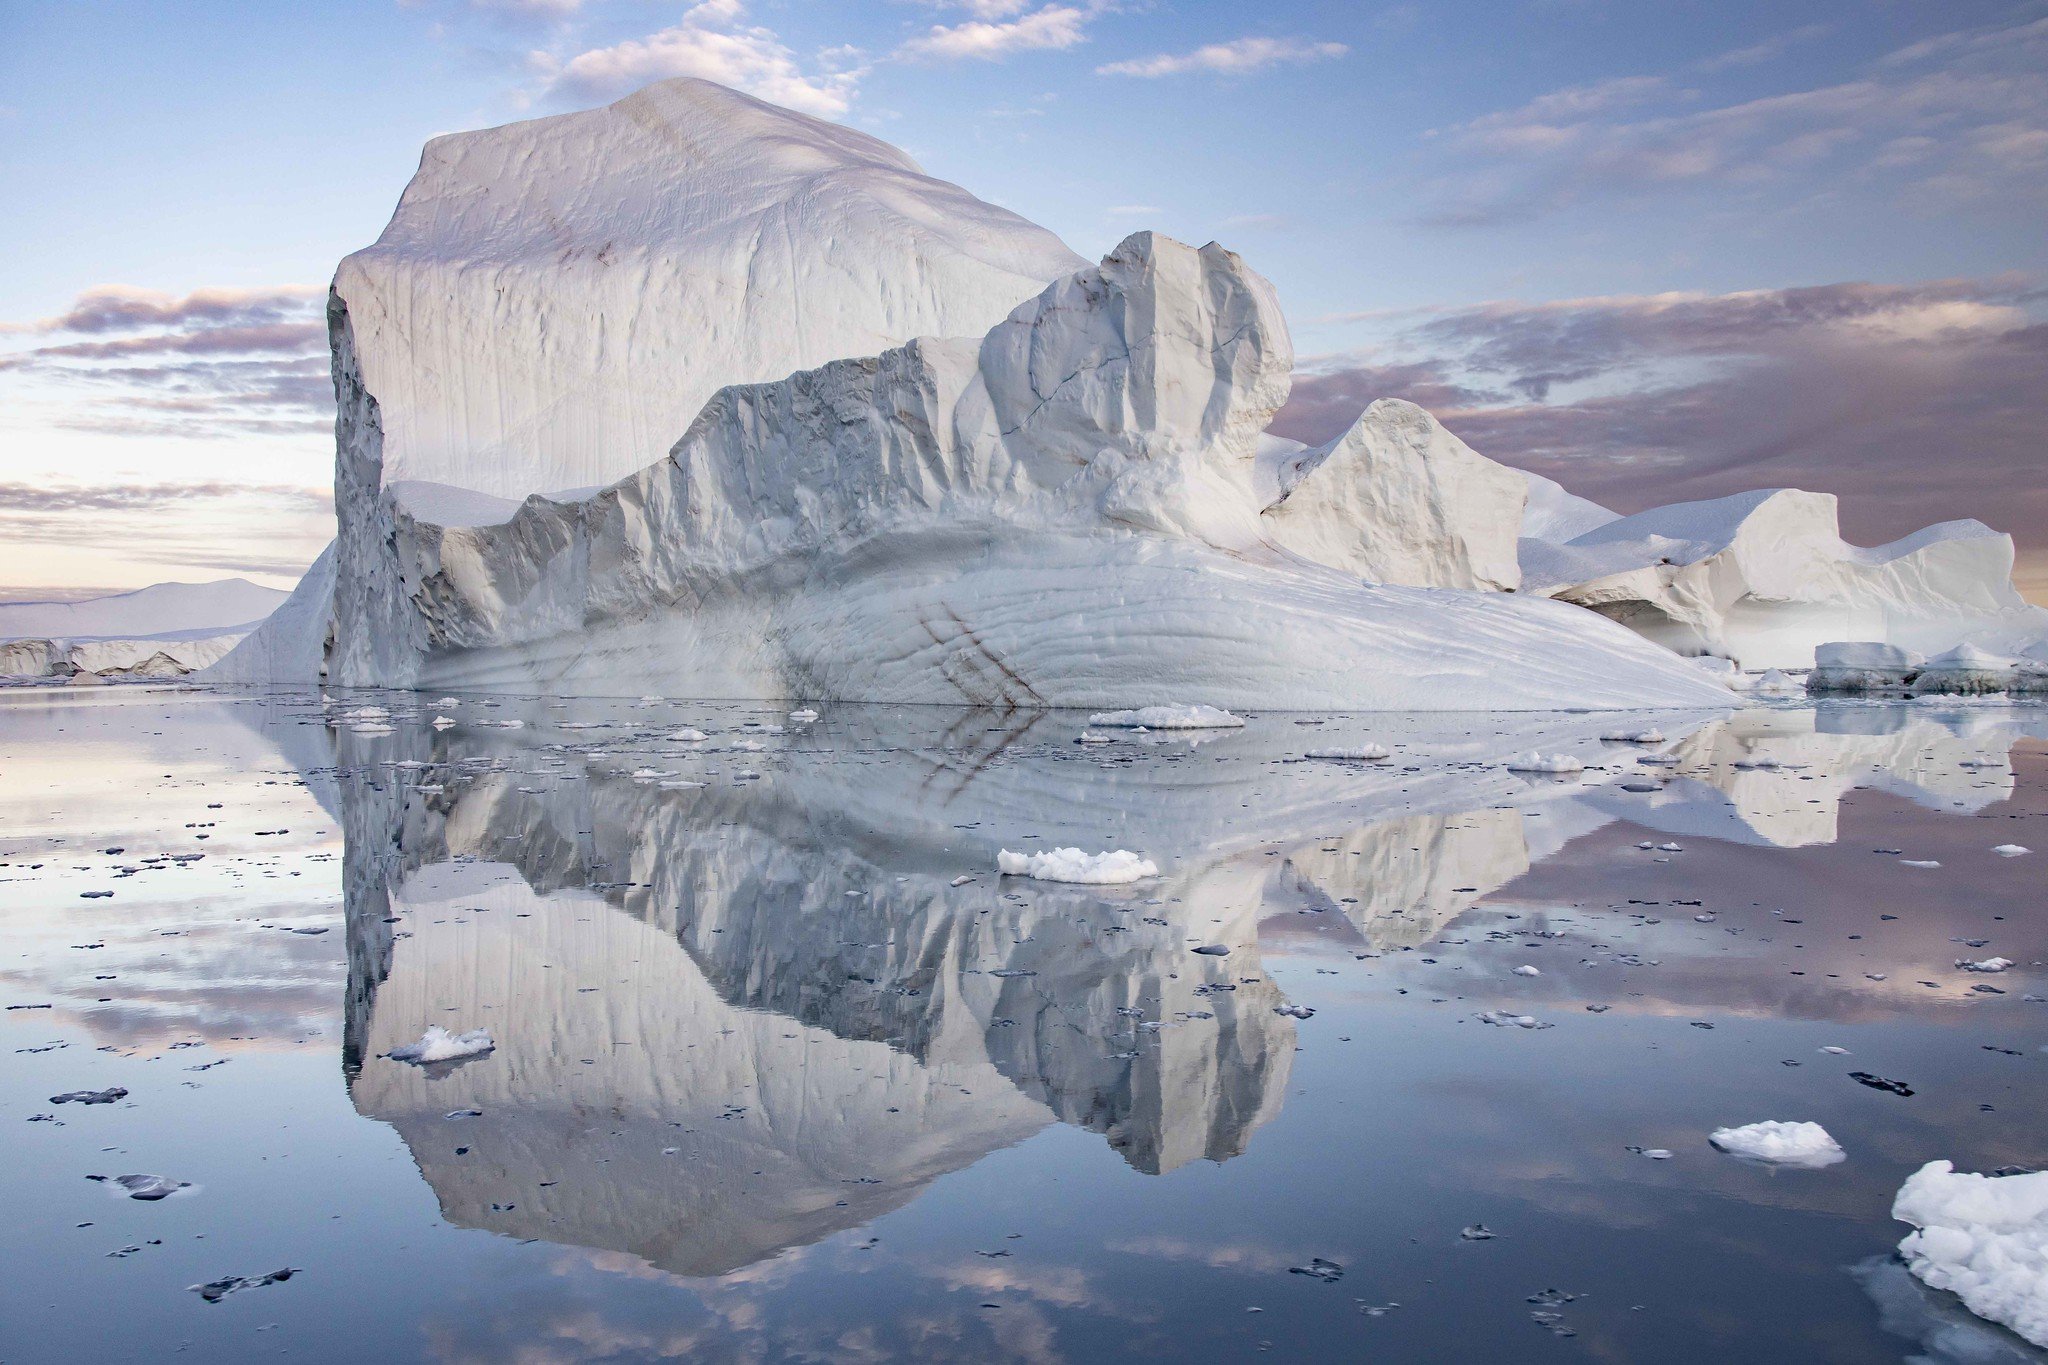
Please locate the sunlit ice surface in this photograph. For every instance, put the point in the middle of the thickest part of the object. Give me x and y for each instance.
(779, 1066)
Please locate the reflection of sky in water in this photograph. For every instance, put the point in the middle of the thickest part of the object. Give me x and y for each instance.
(768, 1082)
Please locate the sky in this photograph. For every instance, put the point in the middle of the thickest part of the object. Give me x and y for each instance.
(1655, 251)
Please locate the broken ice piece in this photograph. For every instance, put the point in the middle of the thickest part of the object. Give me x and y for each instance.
(1479, 1232)
(1806, 1145)
(213, 1291)
(148, 1188)
(439, 1045)
(107, 1096)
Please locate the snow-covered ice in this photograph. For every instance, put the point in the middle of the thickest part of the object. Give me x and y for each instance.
(1364, 753)
(1781, 1143)
(1536, 761)
(1985, 1238)
(1072, 865)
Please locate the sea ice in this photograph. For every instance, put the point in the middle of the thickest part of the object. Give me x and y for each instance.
(1781, 1143)
(1168, 718)
(1983, 1237)
(1072, 865)
(1536, 761)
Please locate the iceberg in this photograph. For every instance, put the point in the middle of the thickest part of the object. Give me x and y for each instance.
(695, 395)
(1764, 578)
(163, 631)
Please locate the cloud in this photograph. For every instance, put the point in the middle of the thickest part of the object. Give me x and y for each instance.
(1237, 57)
(1132, 211)
(994, 38)
(1770, 49)
(18, 499)
(1916, 402)
(714, 43)
(211, 363)
(1960, 116)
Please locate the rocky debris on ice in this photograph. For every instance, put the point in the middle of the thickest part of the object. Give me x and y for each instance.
(1399, 499)
(163, 631)
(1780, 1143)
(1984, 1238)
(1764, 578)
(1072, 865)
(437, 1044)
(1168, 718)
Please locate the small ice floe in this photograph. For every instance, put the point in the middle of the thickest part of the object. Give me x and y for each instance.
(1805, 1145)
(1988, 965)
(1072, 865)
(1653, 1153)
(1983, 1238)
(1526, 970)
(213, 1291)
(1536, 761)
(1670, 848)
(1762, 761)
(1834, 1051)
(803, 715)
(107, 1096)
(1295, 1011)
(148, 1188)
(1169, 718)
(2011, 850)
(1213, 950)
(688, 735)
(1090, 737)
(1329, 1272)
(676, 784)
(1365, 753)
(371, 728)
(1919, 862)
(960, 880)
(445, 701)
(1478, 1232)
(1659, 760)
(1503, 1019)
(443, 722)
(439, 1045)
(751, 746)
(1634, 736)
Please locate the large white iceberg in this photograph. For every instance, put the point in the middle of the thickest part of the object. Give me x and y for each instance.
(1763, 578)
(1065, 512)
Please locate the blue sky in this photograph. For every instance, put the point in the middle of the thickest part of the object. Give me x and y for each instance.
(1663, 251)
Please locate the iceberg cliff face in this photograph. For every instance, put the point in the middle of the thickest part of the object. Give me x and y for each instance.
(1763, 578)
(1065, 513)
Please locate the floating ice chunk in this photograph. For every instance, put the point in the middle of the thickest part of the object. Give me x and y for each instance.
(752, 746)
(148, 1188)
(213, 1291)
(1983, 1237)
(1090, 737)
(1169, 718)
(688, 735)
(107, 1096)
(803, 715)
(1072, 865)
(1919, 862)
(1526, 970)
(1504, 1019)
(1295, 1011)
(1536, 761)
(2011, 850)
(442, 722)
(371, 728)
(1634, 736)
(1367, 753)
(1989, 964)
(1783, 1144)
(1660, 760)
(439, 1045)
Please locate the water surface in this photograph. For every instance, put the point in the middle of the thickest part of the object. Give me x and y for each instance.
(784, 1070)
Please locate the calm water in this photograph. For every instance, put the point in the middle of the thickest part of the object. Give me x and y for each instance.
(785, 1071)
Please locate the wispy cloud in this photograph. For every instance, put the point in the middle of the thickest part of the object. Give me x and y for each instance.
(1237, 57)
(1963, 115)
(214, 362)
(713, 42)
(28, 499)
(995, 36)
(1917, 402)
